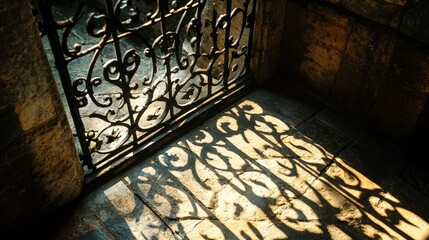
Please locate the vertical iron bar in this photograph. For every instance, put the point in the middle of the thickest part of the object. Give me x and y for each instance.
(45, 8)
(125, 86)
(167, 44)
(227, 33)
(250, 40)
(198, 15)
(163, 7)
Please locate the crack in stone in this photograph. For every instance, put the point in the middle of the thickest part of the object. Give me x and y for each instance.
(230, 180)
(189, 218)
(332, 160)
(383, 196)
(214, 201)
(322, 171)
(302, 220)
(308, 118)
(105, 229)
(195, 226)
(191, 194)
(151, 208)
(293, 131)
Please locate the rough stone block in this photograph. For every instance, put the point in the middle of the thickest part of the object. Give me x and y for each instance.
(292, 108)
(269, 119)
(364, 63)
(359, 67)
(293, 46)
(379, 11)
(372, 160)
(26, 193)
(268, 33)
(329, 141)
(124, 214)
(325, 38)
(201, 176)
(403, 92)
(164, 192)
(37, 178)
(34, 113)
(236, 229)
(328, 14)
(265, 188)
(416, 20)
(10, 129)
(40, 168)
(363, 205)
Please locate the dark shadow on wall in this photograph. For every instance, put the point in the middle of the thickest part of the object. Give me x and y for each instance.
(22, 194)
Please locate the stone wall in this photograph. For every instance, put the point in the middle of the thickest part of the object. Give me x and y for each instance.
(268, 35)
(39, 166)
(368, 58)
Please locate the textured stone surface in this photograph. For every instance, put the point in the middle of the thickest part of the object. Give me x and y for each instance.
(235, 229)
(325, 38)
(364, 204)
(416, 19)
(164, 192)
(34, 112)
(266, 188)
(284, 106)
(126, 215)
(208, 185)
(409, 17)
(403, 92)
(10, 124)
(201, 174)
(40, 169)
(383, 12)
(269, 27)
(365, 61)
(360, 67)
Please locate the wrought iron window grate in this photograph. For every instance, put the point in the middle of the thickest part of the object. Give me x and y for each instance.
(134, 70)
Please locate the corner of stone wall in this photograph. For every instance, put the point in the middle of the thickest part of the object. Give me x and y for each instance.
(268, 35)
(39, 166)
(368, 58)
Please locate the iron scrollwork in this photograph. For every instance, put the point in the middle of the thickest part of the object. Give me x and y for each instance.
(132, 68)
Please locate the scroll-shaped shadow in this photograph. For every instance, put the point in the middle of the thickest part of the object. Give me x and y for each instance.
(247, 174)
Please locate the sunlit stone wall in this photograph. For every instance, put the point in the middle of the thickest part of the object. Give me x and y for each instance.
(39, 166)
(369, 58)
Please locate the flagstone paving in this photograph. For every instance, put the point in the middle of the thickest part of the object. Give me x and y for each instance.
(270, 166)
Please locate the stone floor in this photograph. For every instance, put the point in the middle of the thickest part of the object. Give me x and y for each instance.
(271, 166)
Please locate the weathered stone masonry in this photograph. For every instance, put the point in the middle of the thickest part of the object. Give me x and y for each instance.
(369, 58)
(39, 166)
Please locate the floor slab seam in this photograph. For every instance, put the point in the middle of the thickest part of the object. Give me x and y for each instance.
(105, 228)
(309, 117)
(186, 189)
(236, 175)
(342, 133)
(151, 208)
(166, 220)
(196, 225)
(332, 160)
(321, 173)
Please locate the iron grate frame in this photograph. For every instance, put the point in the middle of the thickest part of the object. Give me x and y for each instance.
(218, 70)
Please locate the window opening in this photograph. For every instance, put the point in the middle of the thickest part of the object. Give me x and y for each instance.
(134, 71)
